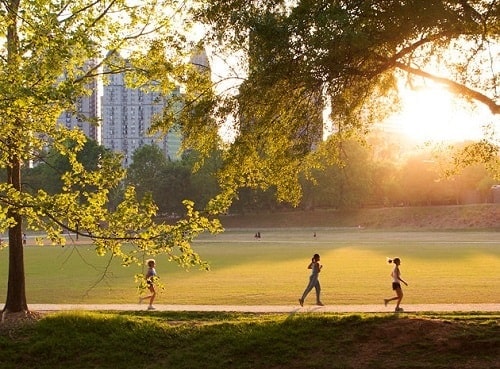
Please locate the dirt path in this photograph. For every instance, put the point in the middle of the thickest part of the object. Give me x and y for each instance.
(273, 308)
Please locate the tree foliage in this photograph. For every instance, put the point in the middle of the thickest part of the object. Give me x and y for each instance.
(47, 169)
(350, 56)
(50, 50)
(299, 57)
(146, 170)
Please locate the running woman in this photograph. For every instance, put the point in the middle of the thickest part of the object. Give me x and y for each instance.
(396, 283)
(315, 267)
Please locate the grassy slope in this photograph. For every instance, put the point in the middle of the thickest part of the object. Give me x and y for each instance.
(223, 340)
(484, 216)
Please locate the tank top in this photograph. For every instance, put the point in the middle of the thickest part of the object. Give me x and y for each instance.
(315, 269)
(395, 274)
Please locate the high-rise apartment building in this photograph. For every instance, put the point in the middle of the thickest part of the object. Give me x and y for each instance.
(126, 116)
(86, 113)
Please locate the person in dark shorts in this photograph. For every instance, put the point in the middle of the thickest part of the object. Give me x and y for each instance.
(150, 279)
(396, 283)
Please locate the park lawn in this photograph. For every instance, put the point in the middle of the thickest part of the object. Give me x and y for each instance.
(440, 267)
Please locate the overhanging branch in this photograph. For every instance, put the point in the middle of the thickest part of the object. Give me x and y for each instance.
(455, 87)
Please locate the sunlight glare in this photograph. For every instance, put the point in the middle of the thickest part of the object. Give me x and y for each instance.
(432, 113)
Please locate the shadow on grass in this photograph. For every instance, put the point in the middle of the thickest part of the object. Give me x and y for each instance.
(237, 340)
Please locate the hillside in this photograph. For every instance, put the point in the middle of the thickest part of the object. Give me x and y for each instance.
(210, 340)
(466, 217)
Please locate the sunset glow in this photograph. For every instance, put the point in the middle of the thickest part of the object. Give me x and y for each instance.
(432, 113)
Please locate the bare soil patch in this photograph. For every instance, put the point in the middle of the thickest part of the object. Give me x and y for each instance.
(11, 322)
(389, 343)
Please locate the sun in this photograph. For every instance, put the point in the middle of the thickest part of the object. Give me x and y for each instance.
(431, 113)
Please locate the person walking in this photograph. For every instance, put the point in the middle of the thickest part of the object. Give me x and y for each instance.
(396, 284)
(315, 267)
(150, 279)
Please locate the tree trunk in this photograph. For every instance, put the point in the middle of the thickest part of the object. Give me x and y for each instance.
(16, 292)
(16, 288)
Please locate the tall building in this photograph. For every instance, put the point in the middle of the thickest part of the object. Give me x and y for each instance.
(86, 113)
(126, 116)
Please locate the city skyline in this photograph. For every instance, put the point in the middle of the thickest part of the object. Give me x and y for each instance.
(120, 117)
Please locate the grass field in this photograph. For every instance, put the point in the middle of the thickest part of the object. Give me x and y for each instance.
(440, 267)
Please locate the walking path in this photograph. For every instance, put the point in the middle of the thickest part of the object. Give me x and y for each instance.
(273, 308)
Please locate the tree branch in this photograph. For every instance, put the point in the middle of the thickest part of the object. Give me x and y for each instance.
(453, 86)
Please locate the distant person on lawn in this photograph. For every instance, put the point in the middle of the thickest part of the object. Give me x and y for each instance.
(315, 267)
(396, 283)
(150, 279)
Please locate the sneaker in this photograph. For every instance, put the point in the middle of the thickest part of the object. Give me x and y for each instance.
(398, 310)
(319, 303)
(301, 302)
(151, 307)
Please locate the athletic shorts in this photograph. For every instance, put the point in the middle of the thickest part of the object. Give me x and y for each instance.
(396, 285)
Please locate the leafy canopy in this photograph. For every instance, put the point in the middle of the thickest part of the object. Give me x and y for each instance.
(51, 54)
(303, 56)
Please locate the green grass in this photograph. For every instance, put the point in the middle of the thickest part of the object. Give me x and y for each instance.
(440, 267)
(229, 340)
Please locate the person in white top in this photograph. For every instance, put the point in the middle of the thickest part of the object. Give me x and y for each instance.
(150, 280)
(396, 283)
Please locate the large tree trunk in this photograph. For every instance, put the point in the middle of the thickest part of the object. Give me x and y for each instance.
(16, 291)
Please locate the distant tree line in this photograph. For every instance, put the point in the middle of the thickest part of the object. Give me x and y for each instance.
(367, 176)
